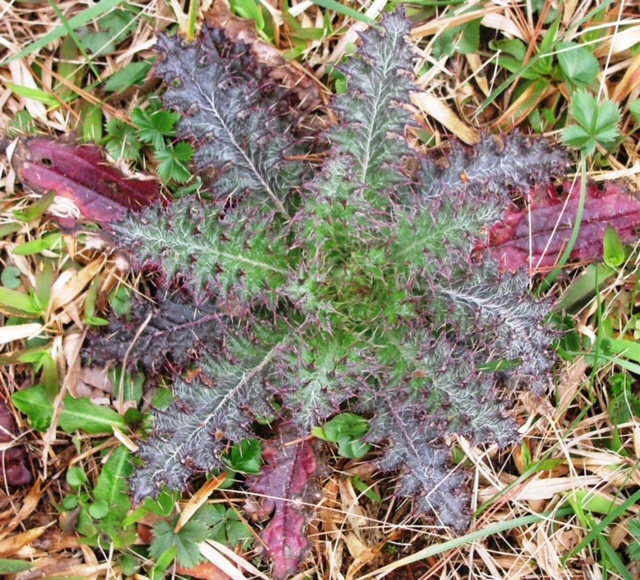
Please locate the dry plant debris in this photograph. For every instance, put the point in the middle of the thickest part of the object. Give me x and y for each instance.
(561, 505)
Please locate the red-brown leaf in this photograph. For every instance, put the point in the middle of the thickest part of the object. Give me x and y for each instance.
(12, 461)
(535, 237)
(287, 482)
(82, 174)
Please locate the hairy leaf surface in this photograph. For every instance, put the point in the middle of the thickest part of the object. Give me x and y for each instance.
(153, 334)
(357, 289)
(233, 110)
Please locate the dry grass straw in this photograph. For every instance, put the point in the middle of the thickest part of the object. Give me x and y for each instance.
(353, 536)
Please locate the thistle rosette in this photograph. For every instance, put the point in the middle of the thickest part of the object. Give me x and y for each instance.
(368, 297)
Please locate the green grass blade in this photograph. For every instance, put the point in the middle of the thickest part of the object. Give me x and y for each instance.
(599, 529)
(480, 534)
(79, 20)
(344, 10)
(74, 37)
(614, 559)
(550, 279)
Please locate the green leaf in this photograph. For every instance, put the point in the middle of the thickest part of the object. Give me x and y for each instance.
(342, 9)
(185, 541)
(120, 300)
(597, 123)
(83, 17)
(14, 566)
(34, 403)
(78, 414)
(76, 477)
(82, 415)
(576, 136)
(154, 127)
(51, 241)
(10, 278)
(613, 250)
(225, 525)
(634, 109)
(584, 107)
(163, 562)
(634, 544)
(99, 509)
(607, 120)
(469, 42)
(173, 162)
(346, 430)
(133, 74)
(34, 94)
(162, 506)
(19, 303)
(113, 28)
(367, 490)
(112, 491)
(70, 502)
(245, 457)
(513, 47)
(248, 9)
(577, 63)
(36, 209)
(123, 141)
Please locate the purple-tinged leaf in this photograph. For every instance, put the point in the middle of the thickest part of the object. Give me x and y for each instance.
(536, 236)
(172, 329)
(82, 174)
(287, 483)
(13, 470)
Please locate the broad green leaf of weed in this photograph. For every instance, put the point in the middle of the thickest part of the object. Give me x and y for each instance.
(132, 384)
(78, 414)
(34, 403)
(10, 278)
(185, 541)
(347, 431)
(77, 477)
(245, 457)
(613, 250)
(173, 162)
(120, 301)
(154, 127)
(634, 545)
(112, 491)
(14, 302)
(113, 28)
(162, 506)
(577, 63)
(133, 74)
(83, 415)
(249, 9)
(225, 525)
(123, 142)
(470, 39)
(597, 123)
(14, 566)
